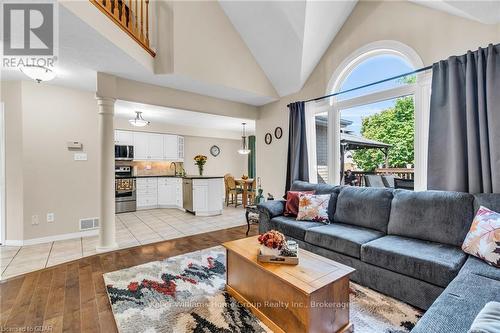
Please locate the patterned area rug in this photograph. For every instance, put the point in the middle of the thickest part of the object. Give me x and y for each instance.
(186, 294)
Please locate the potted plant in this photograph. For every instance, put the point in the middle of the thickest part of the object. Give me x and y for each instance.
(271, 243)
(200, 161)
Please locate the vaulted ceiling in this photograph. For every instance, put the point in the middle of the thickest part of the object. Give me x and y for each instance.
(487, 12)
(287, 38)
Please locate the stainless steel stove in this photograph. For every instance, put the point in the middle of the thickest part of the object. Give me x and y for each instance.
(125, 189)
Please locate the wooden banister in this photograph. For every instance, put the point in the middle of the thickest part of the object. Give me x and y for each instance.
(129, 16)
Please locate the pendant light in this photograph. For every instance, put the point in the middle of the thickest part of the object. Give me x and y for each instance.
(38, 73)
(244, 144)
(138, 121)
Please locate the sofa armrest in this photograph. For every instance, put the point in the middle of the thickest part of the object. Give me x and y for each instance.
(272, 208)
(267, 211)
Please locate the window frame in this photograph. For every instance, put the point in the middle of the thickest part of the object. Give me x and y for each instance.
(421, 98)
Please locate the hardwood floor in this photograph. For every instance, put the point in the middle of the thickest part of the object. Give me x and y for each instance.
(71, 297)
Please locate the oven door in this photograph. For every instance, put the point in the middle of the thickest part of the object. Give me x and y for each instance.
(125, 189)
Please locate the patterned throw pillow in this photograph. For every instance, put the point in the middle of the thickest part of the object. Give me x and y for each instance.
(483, 239)
(313, 207)
(292, 202)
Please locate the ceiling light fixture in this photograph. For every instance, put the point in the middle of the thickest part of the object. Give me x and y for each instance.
(38, 73)
(244, 143)
(138, 121)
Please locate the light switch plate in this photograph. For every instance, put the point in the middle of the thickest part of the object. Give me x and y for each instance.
(50, 217)
(80, 156)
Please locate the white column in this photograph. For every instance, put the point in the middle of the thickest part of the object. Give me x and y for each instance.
(107, 231)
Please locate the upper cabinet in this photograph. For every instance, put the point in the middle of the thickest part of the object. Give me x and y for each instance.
(124, 138)
(152, 146)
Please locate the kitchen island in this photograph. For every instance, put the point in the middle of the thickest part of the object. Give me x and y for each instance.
(200, 195)
(203, 195)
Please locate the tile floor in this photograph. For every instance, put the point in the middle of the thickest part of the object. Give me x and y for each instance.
(137, 228)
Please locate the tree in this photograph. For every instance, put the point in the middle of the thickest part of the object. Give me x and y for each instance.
(394, 126)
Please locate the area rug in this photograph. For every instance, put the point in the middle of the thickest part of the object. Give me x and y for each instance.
(186, 294)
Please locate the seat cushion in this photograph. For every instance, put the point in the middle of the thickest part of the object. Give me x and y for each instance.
(455, 309)
(436, 216)
(431, 262)
(333, 190)
(477, 266)
(291, 227)
(342, 238)
(364, 207)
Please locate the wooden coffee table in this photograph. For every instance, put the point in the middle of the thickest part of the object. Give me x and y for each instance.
(312, 296)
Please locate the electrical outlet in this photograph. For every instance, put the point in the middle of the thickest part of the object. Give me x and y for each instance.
(35, 220)
(50, 217)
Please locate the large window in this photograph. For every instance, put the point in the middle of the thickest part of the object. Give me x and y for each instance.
(373, 131)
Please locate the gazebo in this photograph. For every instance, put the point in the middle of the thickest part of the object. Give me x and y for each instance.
(349, 141)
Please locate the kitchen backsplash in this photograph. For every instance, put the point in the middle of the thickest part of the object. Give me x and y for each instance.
(147, 168)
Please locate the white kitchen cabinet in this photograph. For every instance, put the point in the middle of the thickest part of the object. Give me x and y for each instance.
(148, 146)
(170, 192)
(207, 196)
(170, 147)
(124, 138)
(147, 193)
(180, 148)
(141, 146)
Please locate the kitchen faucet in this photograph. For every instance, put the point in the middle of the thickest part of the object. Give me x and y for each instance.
(175, 168)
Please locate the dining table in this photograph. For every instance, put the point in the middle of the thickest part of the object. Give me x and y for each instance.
(245, 184)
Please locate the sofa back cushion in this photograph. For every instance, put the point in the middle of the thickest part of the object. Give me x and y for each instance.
(365, 207)
(488, 200)
(333, 190)
(436, 216)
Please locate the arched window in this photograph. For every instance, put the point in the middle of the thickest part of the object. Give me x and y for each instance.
(377, 130)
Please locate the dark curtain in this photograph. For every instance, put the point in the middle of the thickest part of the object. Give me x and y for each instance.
(464, 133)
(297, 165)
(251, 156)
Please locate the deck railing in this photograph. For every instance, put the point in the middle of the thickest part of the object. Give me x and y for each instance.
(132, 16)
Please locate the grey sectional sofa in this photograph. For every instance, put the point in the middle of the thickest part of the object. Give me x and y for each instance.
(402, 243)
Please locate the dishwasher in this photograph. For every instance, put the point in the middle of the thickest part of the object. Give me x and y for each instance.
(187, 195)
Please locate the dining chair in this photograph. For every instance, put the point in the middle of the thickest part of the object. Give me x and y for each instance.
(232, 190)
(251, 192)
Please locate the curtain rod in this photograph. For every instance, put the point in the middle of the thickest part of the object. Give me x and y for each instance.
(368, 85)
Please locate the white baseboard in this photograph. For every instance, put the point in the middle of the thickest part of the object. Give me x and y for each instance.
(48, 239)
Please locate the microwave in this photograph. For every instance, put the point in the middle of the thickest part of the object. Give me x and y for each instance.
(124, 153)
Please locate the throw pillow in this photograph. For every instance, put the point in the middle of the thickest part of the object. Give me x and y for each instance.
(487, 320)
(483, 239)
(292, 202)
(313, 207)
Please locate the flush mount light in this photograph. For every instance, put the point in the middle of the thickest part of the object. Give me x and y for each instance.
(244, 143)
(138, 121)
(38, 73)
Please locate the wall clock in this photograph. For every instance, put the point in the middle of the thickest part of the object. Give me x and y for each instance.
(278, 133)
(268, 138)
(214, 150)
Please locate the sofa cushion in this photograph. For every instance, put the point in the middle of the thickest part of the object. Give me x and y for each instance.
(489, 200)
(291, 227)
(436, 216)
(333, 190)
(432, 262)
(455, 309)
(476, 266)
(364, 207)
(342, 238)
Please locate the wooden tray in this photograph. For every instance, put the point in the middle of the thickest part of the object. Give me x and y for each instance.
(278, 259)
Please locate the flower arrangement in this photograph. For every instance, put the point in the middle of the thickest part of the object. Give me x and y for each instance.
(200, 161)
(271, 242)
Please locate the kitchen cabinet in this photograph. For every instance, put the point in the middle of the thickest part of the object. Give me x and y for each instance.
(207, 196)
(124, 138)
(152, 146)
(170, 192)
(147, 193)
(159, 192)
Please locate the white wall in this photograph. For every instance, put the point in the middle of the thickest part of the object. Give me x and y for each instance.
(432, 34)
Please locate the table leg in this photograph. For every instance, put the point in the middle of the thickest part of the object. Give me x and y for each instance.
(245, 195)
(248, 222)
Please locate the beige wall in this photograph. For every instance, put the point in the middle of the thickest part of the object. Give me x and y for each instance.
(41, 175)
(432, 34)
(11, 97)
